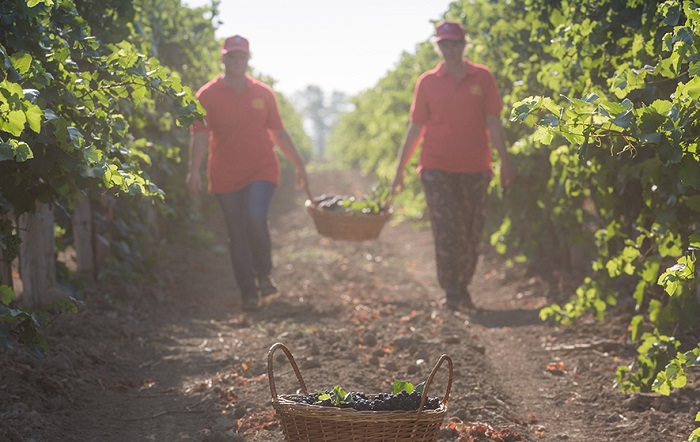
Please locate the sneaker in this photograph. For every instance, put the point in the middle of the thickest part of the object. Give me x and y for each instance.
(266, 286)
(250, 304)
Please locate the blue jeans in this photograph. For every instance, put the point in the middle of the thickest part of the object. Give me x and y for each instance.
(245, 212)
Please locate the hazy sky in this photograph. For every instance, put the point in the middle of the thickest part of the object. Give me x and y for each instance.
(336, 44)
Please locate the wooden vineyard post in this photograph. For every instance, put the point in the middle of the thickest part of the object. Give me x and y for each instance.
(84, 239)
(37, 256)
(5, 260)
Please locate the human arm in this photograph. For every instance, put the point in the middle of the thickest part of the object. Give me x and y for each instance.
(498, 140)
(282, 139)
(414, 135)
(199, 145)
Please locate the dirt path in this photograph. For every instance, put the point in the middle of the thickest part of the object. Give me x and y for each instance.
(173, 358)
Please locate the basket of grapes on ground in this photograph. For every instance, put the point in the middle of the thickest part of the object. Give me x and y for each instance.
(350, 218)
(334, 415)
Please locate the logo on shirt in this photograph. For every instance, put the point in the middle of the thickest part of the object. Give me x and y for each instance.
(475, 89)
(258, 103)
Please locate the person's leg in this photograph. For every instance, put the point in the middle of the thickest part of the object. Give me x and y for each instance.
(438, 187)
(233, 208)
(258, 199)
(473, 189)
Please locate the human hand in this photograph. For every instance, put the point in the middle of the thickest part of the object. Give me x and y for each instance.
(194, 183)
(302, 178)
(397, 186)
(507, 174)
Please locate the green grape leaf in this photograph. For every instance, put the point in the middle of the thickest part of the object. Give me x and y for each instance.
(21, 62)
(400, 386)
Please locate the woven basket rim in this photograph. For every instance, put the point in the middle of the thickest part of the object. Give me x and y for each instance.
(387, 213)
(284, 400)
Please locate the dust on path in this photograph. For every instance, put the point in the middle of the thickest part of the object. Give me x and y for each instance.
(173, 358)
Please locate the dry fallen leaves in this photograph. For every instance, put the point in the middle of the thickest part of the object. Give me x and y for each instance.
(482, 432)
(556, 368)
(255, 422)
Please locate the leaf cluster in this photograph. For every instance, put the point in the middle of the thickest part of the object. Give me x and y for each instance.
(23, 326)
(67, 103)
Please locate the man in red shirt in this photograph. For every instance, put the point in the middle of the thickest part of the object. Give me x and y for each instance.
(455, 113)
(243, 124)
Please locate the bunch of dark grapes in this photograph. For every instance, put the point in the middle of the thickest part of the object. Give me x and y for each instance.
(309, 399)
(332, 202)
(382, 402)
(365, 205)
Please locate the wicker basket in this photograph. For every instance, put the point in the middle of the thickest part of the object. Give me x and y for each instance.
(347, 227)
(316, 423)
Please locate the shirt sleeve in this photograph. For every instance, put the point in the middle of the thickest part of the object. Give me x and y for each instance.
(419, 108)
(274, 119)
(493, 102)
(198, 126)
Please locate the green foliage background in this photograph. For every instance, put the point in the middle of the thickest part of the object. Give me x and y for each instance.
(601, 115)
(601, 118)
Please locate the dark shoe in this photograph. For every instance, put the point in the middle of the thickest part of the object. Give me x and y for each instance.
(466, 301)
(250, 304)
(451, 305)
(452, 299)
(266, 286)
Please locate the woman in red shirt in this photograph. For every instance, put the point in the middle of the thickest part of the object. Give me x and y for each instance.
(242, 127)
(455, 113)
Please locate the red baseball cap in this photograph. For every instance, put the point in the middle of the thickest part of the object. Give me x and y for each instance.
(235, 43)
(449, 30)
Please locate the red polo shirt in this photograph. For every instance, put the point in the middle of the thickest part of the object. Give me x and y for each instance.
(240, 148)
(454, 115)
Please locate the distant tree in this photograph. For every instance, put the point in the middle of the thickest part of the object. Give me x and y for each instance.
(320, 114)
(338, 105)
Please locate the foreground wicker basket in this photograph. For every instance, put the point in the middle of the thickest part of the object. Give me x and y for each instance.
(316, 423)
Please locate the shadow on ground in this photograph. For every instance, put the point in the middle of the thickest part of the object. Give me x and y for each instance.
(506, 318)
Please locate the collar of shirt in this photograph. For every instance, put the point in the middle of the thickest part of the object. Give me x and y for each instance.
(221, 83)
(442, 69)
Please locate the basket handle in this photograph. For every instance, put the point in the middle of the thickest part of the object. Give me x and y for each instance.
(390, 200)
(308, 194)
(271, 376)
(446, 398)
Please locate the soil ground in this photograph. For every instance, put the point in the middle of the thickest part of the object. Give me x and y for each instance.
(173, 358)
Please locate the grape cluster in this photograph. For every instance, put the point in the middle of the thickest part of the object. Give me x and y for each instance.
(402, 401)
(331, 202)
(364, 205)
(309, 399)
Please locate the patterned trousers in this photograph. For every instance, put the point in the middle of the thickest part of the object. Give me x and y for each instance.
(457, 210)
